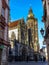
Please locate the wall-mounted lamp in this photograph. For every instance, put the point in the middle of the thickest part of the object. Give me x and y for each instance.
(42, 32)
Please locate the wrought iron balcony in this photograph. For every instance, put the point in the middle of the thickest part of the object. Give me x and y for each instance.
(2, 21)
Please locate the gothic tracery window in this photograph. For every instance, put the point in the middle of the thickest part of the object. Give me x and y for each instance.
(13, 36)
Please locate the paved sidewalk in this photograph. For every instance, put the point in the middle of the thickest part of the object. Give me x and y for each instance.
(28, 63)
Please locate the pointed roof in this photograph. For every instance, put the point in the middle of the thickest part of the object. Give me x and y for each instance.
(30, 15)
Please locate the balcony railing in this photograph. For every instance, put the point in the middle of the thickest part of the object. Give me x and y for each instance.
(2, 21)
(3, 42)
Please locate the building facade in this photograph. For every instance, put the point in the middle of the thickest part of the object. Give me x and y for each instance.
(26, 34)
(17, 30)
(45, 52)
(32, 31)
(4, 18)
(45, 19)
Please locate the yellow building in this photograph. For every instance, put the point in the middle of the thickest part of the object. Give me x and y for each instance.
(32, 31)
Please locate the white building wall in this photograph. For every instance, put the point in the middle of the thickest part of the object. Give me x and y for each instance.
(46, 54)
(0, 6)
(15, 31)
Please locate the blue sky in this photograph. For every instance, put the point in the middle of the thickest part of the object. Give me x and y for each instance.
(19, 9)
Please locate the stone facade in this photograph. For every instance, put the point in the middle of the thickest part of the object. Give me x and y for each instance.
(25, 33)
(18, 31)
(45, 52)
(32, 31)
(4, 16)
(46, 22)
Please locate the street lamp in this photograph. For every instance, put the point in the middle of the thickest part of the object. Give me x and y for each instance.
(42, 32)
(46, 32)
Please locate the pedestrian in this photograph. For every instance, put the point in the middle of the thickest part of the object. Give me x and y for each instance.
(27, 58)
(44, 59)
(35, 58)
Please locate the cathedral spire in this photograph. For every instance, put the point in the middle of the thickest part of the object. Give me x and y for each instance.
(30, 10)
(30, 14)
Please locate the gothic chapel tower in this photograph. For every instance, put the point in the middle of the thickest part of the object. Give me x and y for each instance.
(32, 31)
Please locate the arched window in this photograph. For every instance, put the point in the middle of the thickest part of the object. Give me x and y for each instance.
(12, 39)
(13, 36)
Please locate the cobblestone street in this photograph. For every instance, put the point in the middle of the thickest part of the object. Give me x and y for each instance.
(28, 63)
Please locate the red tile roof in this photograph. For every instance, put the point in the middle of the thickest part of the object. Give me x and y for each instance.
(13, 24)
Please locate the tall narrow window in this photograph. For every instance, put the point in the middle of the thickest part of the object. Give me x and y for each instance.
(3, 12)
(13, 36)
(2, 34)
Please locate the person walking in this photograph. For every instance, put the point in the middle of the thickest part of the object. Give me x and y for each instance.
(27, 59)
